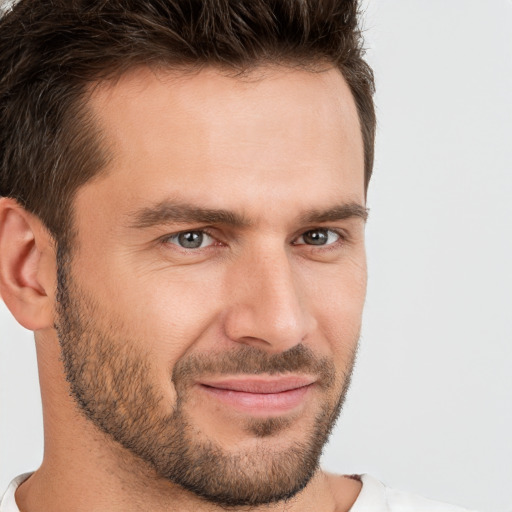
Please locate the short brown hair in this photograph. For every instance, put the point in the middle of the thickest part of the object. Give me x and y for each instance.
(52, 50)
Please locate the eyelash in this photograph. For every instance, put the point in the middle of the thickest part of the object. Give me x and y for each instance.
(342, 238)
(166, 239)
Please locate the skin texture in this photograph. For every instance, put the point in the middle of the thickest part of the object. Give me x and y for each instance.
(280, 154)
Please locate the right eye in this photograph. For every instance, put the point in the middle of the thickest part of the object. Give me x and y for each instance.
(191, 239)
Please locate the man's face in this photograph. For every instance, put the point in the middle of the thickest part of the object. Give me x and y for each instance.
(210, 313)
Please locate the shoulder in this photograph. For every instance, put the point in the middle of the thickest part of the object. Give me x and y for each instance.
(376, 497)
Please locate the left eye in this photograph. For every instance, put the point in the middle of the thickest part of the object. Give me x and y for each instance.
(191, 239)
(318, 237)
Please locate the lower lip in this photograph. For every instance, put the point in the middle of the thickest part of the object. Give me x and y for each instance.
(260, 403)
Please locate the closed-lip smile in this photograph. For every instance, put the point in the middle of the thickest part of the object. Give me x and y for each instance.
(260, 395)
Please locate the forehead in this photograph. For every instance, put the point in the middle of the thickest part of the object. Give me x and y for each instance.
(216, 137)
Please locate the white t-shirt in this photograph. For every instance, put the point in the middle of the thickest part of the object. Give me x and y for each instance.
(374, 497)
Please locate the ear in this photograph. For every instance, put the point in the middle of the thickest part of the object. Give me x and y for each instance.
(27, 266)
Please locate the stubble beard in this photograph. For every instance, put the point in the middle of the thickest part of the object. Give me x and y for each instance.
(108, 378)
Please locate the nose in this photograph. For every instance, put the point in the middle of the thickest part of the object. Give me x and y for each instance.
(268, 304)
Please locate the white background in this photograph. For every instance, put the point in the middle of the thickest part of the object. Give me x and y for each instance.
(430, 410)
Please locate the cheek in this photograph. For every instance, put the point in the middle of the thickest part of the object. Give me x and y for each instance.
(167, 312)
(338, 307)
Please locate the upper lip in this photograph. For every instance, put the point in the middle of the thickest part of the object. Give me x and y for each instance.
(257, 384)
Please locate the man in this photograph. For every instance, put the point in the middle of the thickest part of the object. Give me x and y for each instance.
(182, 226)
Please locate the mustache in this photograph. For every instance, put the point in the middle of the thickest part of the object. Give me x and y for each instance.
(248, 360)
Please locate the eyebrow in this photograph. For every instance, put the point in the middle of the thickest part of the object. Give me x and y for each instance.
(340, 212)
(168, 212)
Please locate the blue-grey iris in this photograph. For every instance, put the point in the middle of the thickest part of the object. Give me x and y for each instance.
(316, 237)
(191, 239)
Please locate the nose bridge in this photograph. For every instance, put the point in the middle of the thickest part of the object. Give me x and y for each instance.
(267, 305)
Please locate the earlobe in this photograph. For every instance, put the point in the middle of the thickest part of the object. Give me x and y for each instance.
(24, 283)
